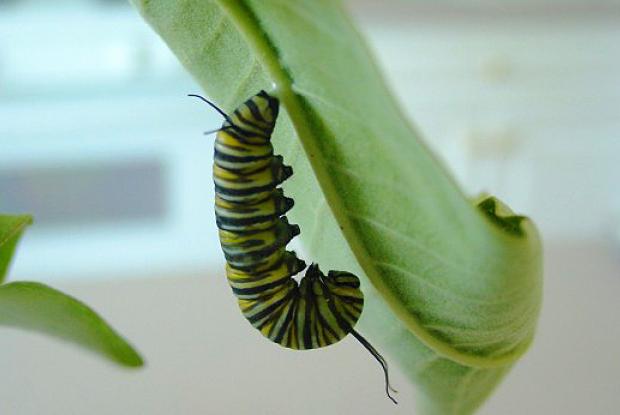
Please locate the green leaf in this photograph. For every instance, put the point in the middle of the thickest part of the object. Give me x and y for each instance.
(453, 289)
(37, 307)
(11, 229)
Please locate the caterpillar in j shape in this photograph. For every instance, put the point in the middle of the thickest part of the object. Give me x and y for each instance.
(250, 211)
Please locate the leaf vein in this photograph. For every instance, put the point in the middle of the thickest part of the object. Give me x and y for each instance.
(415, 242)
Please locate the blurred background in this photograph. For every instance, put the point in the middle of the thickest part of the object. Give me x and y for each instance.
(99, 141)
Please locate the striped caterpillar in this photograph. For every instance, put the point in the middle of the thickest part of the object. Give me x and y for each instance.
(321, 309)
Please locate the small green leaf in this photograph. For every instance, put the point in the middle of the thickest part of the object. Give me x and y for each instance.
(453, 290)
(11, 229)
(37, 307)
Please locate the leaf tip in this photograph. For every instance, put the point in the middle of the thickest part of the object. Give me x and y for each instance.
(501, 215)
(130, 358)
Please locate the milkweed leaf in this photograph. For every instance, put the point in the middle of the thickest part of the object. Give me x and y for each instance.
(453, 288)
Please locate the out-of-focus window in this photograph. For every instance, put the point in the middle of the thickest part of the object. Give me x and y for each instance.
(101, 144)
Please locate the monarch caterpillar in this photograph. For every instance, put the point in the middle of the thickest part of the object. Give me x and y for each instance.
(250, 213)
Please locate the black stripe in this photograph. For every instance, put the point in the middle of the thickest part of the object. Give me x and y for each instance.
(244, 140)
(233, 147)
(242, 134)
(253, 203)
(260, 288)
(315, 324)
(240, 208)
(245, 232)
(237, 179)
(352, 317)
(249, 243)
(287, 321)
(253, 257)
(267, 311)
(352, 284)
(280, 242)
(262, 274)
(253, 172)
(332, 307)
(307, 337)
(291, 333)
(237, 136)
(251, 123)
(244, 174)
(351, 299)
(325, 325)
(276, 316)
(223, 221)
(242, 169)
(251, 277)
(254, 110)
(273, 319)
(248, 191)
(250, 268)
(341, 280)
(236, 159)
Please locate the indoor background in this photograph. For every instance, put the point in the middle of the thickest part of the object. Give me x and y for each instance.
(99, 141)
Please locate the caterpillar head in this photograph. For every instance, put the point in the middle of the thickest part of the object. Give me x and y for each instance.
(335, 300)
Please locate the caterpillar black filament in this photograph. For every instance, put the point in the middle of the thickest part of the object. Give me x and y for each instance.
(249, 209)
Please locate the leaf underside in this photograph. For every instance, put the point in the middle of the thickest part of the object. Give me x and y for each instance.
(453, 288)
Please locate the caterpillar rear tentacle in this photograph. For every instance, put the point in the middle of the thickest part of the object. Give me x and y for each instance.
(249, 208)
